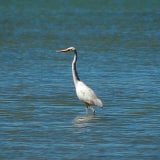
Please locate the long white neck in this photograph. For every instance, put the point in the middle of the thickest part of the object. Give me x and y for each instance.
(74, 71)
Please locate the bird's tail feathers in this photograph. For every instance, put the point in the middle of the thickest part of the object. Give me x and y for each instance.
(98, 102)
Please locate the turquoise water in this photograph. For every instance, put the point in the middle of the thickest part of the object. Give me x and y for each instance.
(118, 48)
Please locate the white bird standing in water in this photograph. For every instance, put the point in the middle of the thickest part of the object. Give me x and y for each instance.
(84, 93)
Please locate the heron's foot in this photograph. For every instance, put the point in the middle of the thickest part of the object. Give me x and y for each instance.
(93, 111)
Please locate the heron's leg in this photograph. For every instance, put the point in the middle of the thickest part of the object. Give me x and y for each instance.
(93, 111)
(86, 108)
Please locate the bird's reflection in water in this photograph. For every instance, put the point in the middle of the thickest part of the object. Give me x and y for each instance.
(83, 121)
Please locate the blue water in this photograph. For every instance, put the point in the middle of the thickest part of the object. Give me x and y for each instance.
(119, 53)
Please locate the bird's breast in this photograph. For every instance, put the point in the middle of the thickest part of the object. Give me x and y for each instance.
(84, 93)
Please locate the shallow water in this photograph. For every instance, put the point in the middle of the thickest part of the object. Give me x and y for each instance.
(118, 48)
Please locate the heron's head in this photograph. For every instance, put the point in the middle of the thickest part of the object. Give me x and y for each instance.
(70, 49)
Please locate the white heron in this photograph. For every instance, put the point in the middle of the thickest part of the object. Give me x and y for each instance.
(84, 93)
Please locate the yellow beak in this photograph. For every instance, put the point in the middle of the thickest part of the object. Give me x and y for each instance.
(63, 50)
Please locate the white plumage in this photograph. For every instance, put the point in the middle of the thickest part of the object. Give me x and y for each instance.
(87, 95)
(84, 93)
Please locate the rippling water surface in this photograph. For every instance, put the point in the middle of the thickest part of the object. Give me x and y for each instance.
(118, 46)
